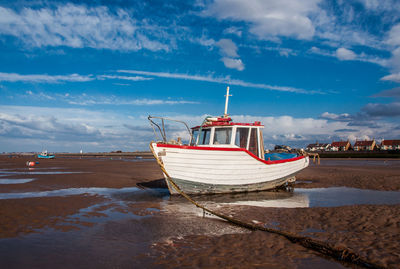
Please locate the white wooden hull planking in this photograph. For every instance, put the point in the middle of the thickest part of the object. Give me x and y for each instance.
(224, 170)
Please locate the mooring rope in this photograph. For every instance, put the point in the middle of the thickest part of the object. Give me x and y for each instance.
(338, 253)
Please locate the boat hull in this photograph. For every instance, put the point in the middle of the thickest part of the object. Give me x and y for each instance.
(203, 170)
(193, 187)
(46, 156)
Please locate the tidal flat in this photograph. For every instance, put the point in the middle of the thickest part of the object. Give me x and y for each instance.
(103, 212)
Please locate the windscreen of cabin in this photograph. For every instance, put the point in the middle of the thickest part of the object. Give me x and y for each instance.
(194, 137)
(241, 137)
(222, 135)
(205, 137)
(253, 147)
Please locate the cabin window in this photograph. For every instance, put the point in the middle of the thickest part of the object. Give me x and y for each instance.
(241, 137)
(222, 135)
(205, 137)
(253, 145)
(194, 137)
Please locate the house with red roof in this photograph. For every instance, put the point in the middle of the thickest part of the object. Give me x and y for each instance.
(340, 146)
(390, 145)
(364, 145)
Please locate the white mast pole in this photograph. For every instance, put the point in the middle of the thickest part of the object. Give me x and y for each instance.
(226, 102)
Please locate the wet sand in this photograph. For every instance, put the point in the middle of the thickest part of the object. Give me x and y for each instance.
(148, 228)
(374, 174)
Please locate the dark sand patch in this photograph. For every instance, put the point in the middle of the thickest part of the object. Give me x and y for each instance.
(24, 216)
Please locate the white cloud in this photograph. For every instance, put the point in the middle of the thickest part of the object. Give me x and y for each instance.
(333, 116)
(28, 128)
(333, 24)
(86, 100)
(395, 60)
(233, 63)
(381, 5)
(285, 52)
(370, 4)
(267, 18)
(118, 101)
(393, 39)
(319, 51)
(344, 54)
(220, 80)
(44, 78)
(227, 48)
(394, 36)
(392, 77)
(38, 127)
(228, 51)
(80, 26)
(204, 41)
(135, 78)
(234, 31)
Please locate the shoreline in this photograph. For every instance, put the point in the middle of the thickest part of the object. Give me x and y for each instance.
(393, 154)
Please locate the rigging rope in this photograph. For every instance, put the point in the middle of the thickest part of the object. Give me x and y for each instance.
(339, 253)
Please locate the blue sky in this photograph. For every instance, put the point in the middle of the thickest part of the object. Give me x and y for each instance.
(84, 75)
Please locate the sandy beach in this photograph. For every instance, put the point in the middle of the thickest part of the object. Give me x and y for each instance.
(102, 212)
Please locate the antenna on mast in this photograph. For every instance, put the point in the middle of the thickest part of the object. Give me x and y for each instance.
(226, 102)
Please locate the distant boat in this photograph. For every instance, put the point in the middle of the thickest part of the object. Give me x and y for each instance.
(45, 155)
(223, 157)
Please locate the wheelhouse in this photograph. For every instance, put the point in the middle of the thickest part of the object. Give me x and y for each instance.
(222, 132)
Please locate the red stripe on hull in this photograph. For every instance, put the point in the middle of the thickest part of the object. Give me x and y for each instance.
(231, 149)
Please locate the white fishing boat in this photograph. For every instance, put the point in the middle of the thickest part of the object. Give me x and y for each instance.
(45, 155)
(222, 156)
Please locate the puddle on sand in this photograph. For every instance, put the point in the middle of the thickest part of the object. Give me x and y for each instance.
(32, 172)
(283, 200)
(105, 212)
(33, 168)
(15, 180)
(107, 192)
(146, 159)
(139, 160)
(342, 196)
(303, 182)
(317, 197)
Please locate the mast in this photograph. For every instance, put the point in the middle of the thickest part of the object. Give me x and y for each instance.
(226, 102)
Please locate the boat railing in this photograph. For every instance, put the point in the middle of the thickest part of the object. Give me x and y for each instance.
(162, 129)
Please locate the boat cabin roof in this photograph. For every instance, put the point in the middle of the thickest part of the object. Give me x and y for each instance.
(222, 132)
(214, 121)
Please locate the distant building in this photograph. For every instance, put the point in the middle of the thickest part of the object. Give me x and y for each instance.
(340, 146)
(318, 147)
(390, 145)
(282, 147)
(364, 145)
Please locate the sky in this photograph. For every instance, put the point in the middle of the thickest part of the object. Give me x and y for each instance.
(84, 75)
